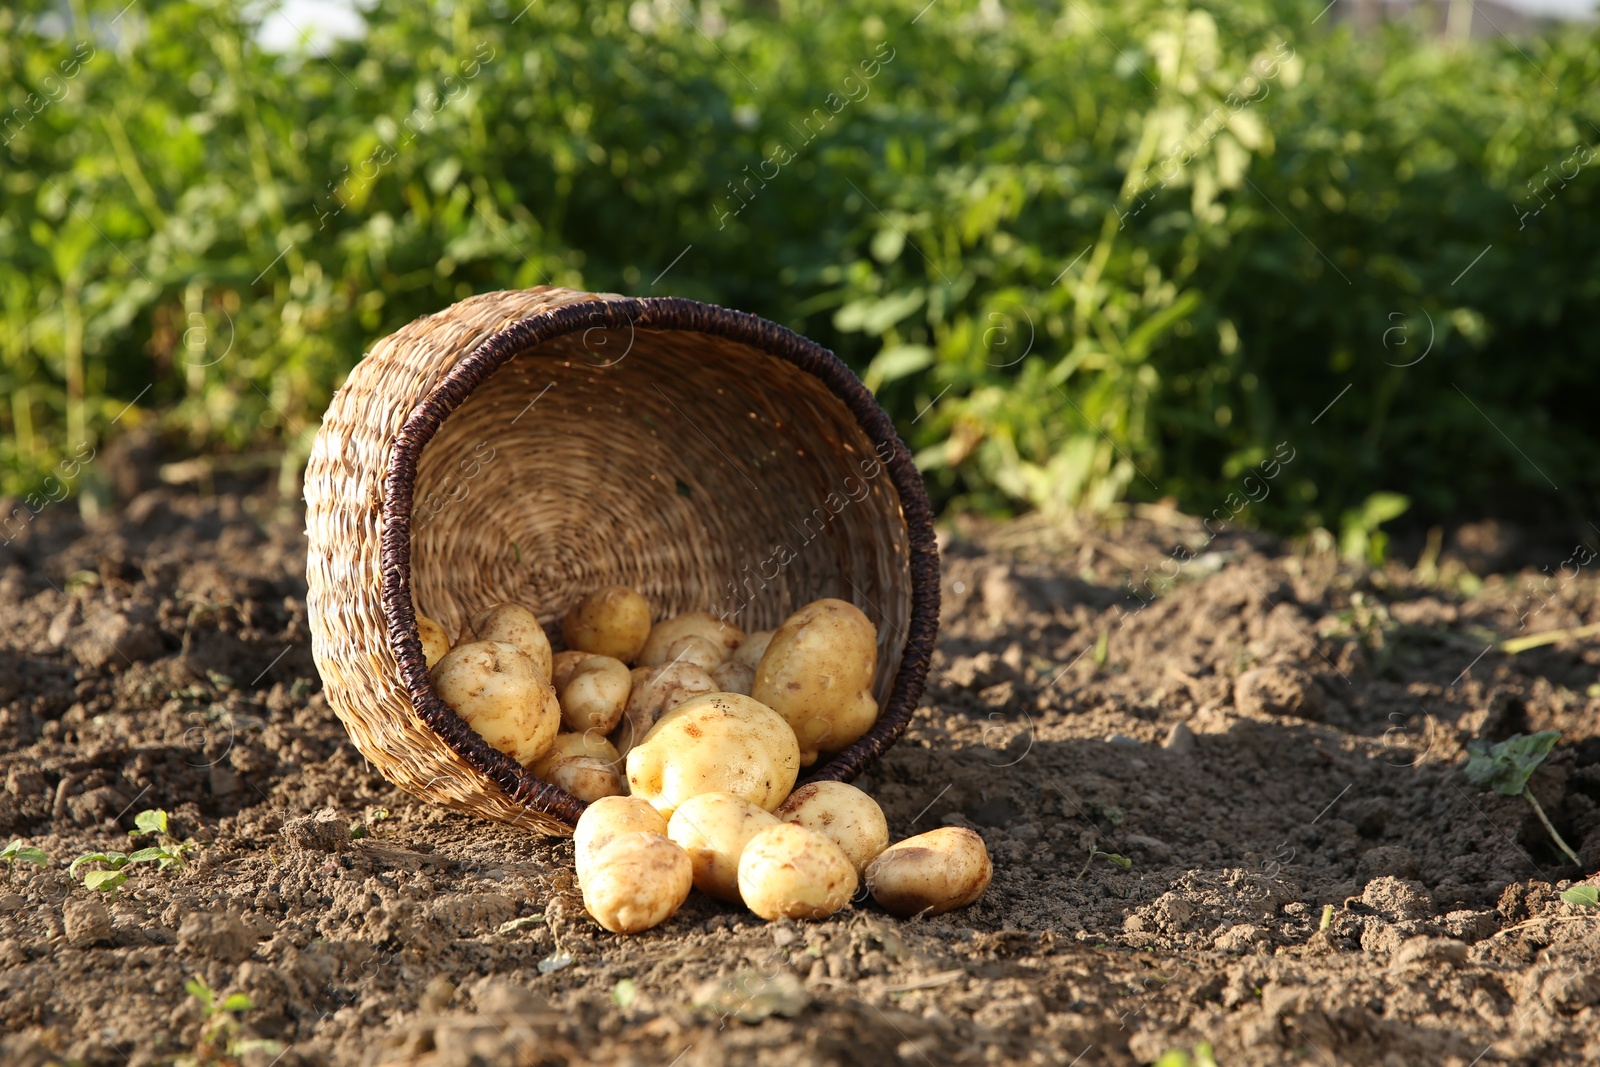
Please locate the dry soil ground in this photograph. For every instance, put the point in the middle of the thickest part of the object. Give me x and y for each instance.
(1172, 794)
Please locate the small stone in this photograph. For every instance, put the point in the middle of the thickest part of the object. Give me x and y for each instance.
(1124, 741)
(87, 923)
(784, 935)
(323, 831)
(215, 936)
(1278, 689)
(1391, 860)
(1428, 950)
(1180, 740)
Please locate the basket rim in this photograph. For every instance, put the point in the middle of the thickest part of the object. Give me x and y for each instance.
(664, 314)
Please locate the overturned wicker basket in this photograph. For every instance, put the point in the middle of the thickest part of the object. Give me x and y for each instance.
(532, 445)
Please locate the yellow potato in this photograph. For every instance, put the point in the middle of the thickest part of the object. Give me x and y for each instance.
(817, 673)
(567, 745)
(595, 693)
(607, 819)
(695, 650)
(931, 873)
(717, 743)
(435, 642)
(789, 871)
(656, 691)
(724, 637)
(613, 621)
(636, 882)
(563, 664)
(752, 648)
(733, 677)
(845, 814)
(584, 777)
(516, 625)
(499, 691)
(713, 828)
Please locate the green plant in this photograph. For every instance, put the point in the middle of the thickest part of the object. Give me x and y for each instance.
(220, 1041)
(1200, 1057)
(1506, 767)
(1121, 861)
(1584, 896)
(17, 852)
(169, 853)
(1360, 539)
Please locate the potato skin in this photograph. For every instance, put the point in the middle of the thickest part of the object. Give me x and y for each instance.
(817, 673)
(595, 693)
(722, 636)
(931, 873)
(752, 648)
(637, 881)
(612, 621)
(790, 871)
(563, 664)
(717, 743)
(585, 777)
(435, 642)
(500, 693)
(607, 819)
(713, 829)
(734, 677)
(656, 691)
(514, 624)
(843, 813)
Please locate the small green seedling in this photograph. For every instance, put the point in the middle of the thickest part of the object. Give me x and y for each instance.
(166, 855)
(1584, 896)
(17, 852)
(624, 993)
(1507, 766)
(220, 1040)
(1121, 861)
(1201, 1057)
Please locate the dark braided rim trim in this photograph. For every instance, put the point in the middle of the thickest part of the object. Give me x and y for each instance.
(656, 313)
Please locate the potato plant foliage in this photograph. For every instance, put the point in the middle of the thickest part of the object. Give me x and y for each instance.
(1083, 250)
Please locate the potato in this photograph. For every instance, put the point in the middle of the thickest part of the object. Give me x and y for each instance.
(656, 691)
(722, 636)
(607, 819)
(696, 650)
(589, 745)
(931, 873)
(733, 677)
(563, 664)
(636, 882)
(843, 813)
(516, 625)
(613, 621)
(790, 871)
(713, 828)
(752, 648)
(499, 691)
(584, 777)
(817, 673)
(717, 743)
(595, 694)
(435, 642)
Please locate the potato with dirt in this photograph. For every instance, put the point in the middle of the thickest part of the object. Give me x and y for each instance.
(637, 881)
(717, 743)
(594, 694)
(585, 765)
(435, 642)
(516, 625)
(656, 691)
(843, 813)
(817, 673)
(789, 871)
(608, 819)
(721, 638)
(498, 690)
(931, 873)
(713, 829)
(612, 621)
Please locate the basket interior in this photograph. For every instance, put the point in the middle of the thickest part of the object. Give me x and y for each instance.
(705, 473)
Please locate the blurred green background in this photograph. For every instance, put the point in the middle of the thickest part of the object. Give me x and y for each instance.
(1085, 251)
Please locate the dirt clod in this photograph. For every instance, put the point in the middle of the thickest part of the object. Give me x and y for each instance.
(215, 936)
(87, 922)
(323, 831)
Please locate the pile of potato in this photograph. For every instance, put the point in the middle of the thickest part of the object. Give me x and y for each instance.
(688, 759)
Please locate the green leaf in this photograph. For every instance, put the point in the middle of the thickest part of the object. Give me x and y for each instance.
(624, 992)
(198, 989)
(149, 855)
(1506, 767)
(17, 852)
(114, 859)
(1121, 861)
(105, 881)
(895, 362)
(151, 822)
(1585, 896)
(238, 1002)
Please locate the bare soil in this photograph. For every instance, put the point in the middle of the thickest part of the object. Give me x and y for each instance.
(1173, 793)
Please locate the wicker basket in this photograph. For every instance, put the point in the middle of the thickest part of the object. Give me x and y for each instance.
(532, 445)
